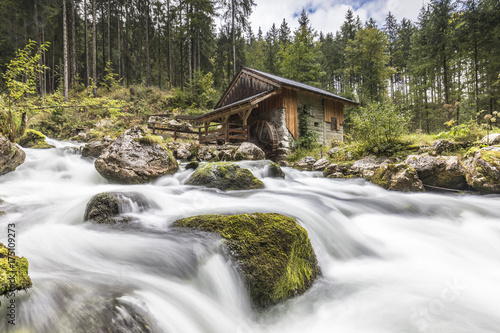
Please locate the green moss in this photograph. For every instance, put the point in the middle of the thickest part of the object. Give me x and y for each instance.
(492, 157)
(150, 139)
(34, 139)
(2, 213)
(13, 272)
(224, 176)
(273, 252)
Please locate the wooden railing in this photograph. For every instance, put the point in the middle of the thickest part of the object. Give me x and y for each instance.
(224, 132)
(215, 132)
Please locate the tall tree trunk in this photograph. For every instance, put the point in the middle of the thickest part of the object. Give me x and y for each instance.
(94, 49)
(148, 60)
(65, 55)
(37, 38)
(87, 67)
(169, 54)
(73, 36)
(233, 36)
(109, 30)
(103, 36)
(189, 43)
(119, 35)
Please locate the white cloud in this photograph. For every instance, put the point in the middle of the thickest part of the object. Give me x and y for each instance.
(328, 15)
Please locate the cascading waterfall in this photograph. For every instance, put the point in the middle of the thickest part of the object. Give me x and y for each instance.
(391, 262)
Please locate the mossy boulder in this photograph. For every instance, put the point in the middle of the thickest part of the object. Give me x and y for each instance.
(34, 139)
(483, 170)
(306, 163)
(272, 251)
(249, 151)
(13, 271)
(440, 171)
(193, 165)
(275, 171)
(225, 177)
(106, 208)
(397, 177)
(11, 156)
(136, 157)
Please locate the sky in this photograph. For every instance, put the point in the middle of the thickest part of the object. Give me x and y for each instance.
(328, 15)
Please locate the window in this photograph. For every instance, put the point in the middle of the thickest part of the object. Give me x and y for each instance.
(333, 124)
(316, 124)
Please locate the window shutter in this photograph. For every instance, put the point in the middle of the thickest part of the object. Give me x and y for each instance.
(333, 124)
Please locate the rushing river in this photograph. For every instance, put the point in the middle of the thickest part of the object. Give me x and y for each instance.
(391, 262)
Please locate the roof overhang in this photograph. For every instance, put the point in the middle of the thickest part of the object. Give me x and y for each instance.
(236, 107)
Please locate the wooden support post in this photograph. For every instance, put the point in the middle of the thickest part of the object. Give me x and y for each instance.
(175, 135)
(154, 125)
(199, 137)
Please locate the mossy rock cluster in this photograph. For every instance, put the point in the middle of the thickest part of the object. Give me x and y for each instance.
(34, 139)
(483, 170)
(397, 177)
(13, 272)
(225, 177)
(272, 251)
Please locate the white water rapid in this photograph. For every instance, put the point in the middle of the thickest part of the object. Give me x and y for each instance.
(391, 262)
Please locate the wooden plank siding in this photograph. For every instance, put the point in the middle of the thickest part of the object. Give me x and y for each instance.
(290, 103)
(334, 109)
(244, 87)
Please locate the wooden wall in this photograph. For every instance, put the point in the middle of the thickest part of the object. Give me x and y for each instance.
(334, 109)
(290, 103)
(244, 87)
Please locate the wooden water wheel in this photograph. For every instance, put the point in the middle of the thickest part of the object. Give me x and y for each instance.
(266, 134)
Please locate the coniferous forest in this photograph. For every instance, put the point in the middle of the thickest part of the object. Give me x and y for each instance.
(442, 69)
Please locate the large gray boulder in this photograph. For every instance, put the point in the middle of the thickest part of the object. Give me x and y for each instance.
(366, 166)
(135, 158)
(442, 145)
(492, 139)
(95, 147)
(249, 151)
(225, 177)
(320, 164)
(11, 156)
(397, 177)
(483, 170)
(440, 171)
(305, 163)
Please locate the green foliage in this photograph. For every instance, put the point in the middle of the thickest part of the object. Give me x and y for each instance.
(308, 139)
(467, 132)
(367, 61)
(20, 80)
(22, 71)
(302, 58)
(110, 77)
(379, 126)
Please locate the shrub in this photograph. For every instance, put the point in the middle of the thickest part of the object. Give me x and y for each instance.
(379, 127)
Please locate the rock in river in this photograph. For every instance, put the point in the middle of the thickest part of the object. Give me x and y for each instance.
(272, 251)
(135, 158)
(11, 156)
(107, 207)
(13, 272)
(225, 177)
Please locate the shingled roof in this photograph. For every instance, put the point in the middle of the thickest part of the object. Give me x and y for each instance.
(294, 84)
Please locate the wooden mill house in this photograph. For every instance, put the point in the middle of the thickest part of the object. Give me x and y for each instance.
(264, 108)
